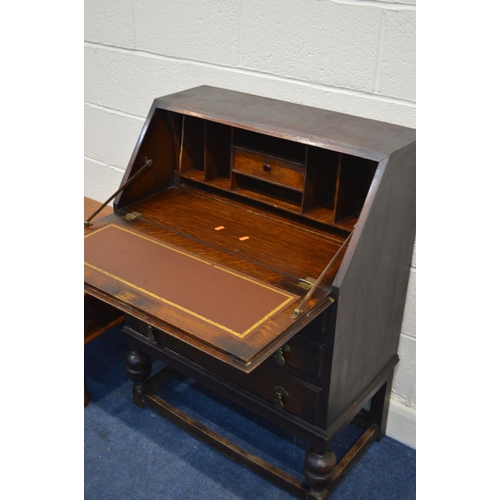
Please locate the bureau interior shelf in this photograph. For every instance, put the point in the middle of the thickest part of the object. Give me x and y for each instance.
(318, 183)
(268, 193)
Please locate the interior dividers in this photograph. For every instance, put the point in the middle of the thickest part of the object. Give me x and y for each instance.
(334, 186)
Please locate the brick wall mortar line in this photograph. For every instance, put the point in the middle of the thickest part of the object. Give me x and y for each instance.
(133, 23)
(381, 38)
(379, 4)
(114, 111)
(104, 164)
(408, 337)
(252, 72)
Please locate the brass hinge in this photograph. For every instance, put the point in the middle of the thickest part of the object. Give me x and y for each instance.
(299, 310)
(132, 215)
(307, 283)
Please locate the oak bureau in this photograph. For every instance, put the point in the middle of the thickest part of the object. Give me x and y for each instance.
(263, 248)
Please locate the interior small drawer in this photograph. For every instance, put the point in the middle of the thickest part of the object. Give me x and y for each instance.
(300, 355)
(268, 167)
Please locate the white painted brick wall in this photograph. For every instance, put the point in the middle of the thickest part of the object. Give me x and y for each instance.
(112, 149)
(352, 56)
(199, 30)
(107, 180)
(397, 76)
(111, 22)
(323, 42)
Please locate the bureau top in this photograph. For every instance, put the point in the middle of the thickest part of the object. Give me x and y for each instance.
(362, 137)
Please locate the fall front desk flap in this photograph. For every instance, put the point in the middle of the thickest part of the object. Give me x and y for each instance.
(235, 315)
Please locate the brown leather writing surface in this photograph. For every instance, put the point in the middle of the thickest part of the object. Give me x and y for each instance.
(236, 314)
(197, 287)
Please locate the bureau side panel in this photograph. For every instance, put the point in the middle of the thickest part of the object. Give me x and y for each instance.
(373, 281)
(157, 143)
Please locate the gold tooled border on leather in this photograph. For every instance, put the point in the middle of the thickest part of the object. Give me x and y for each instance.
(289, 297)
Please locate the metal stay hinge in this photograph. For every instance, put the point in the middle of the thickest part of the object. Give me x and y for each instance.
(147, 164)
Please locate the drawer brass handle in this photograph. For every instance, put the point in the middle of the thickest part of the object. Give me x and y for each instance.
(278, 355)
(151, 335)
(279, 393)
(267, 167)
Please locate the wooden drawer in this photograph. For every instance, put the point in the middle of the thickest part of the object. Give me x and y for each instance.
(298, 397)
(300, 355)
(269, 168)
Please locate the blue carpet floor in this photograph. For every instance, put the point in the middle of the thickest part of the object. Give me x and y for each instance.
(134, 454)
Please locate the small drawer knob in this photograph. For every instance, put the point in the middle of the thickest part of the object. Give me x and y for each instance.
(267, 167)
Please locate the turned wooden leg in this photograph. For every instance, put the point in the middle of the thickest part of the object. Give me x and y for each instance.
(318, 470)
(379, 408)
(138, 369)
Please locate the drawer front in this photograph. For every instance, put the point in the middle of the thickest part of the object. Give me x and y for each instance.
(303, 354)
(269, 168)
(280, 389)
(285, 392)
